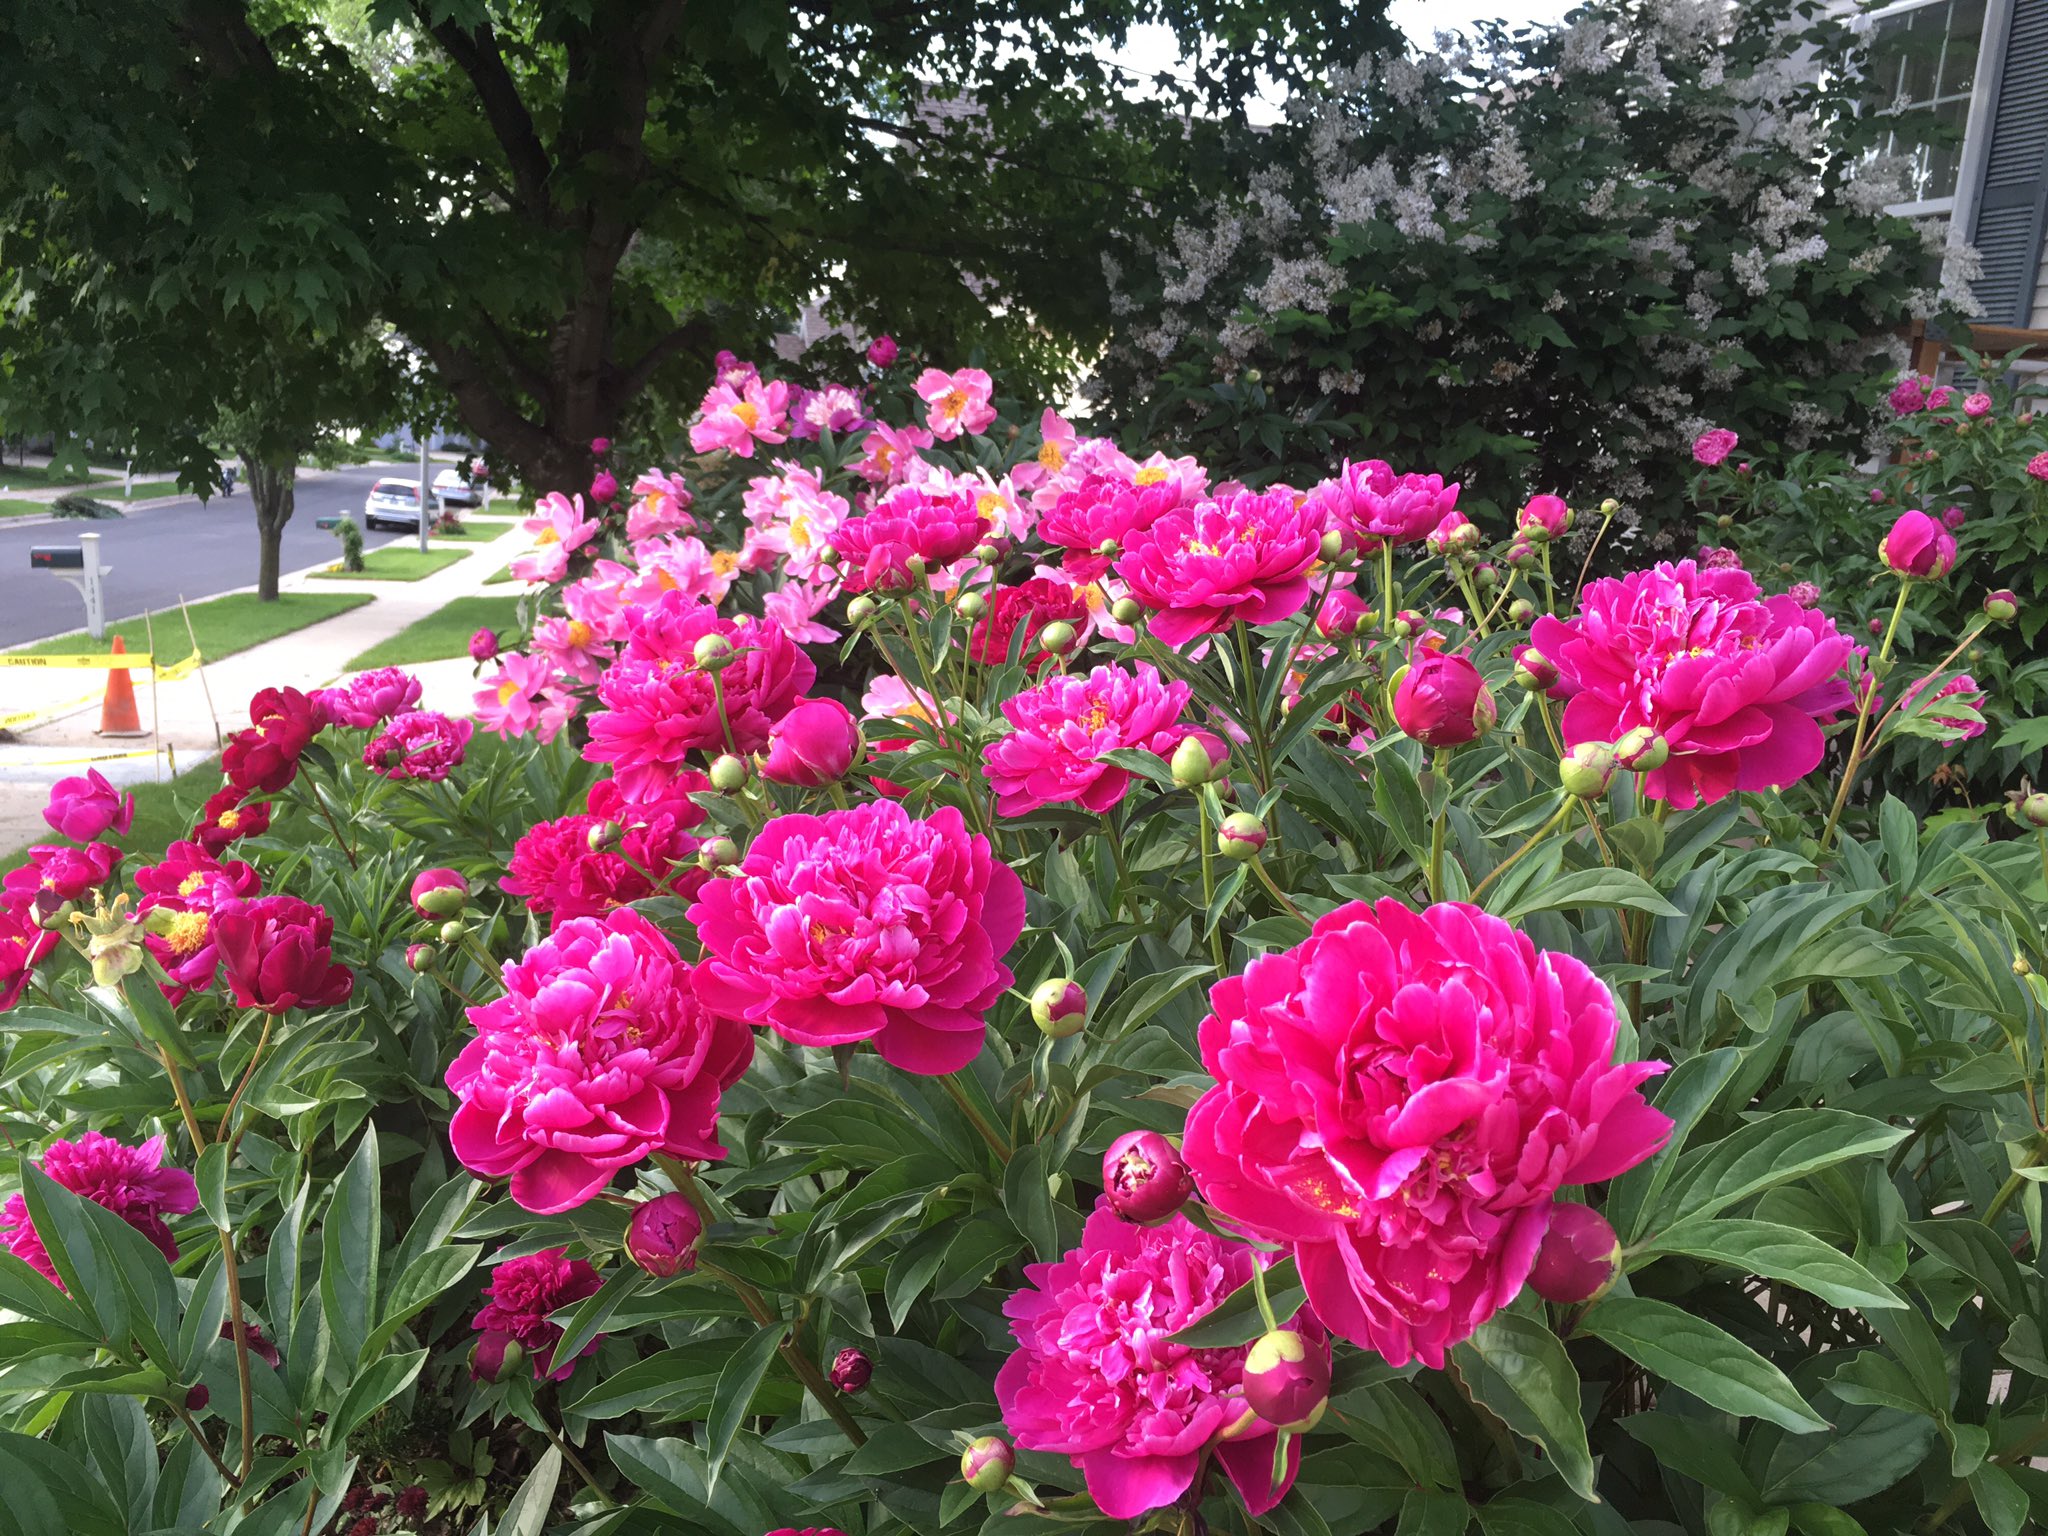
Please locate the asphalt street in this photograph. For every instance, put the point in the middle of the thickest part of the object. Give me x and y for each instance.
(185, 549)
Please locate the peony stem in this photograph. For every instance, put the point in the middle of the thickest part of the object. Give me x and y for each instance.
(570, 1456)
(248, 1072)
(1827, 835)
(1387, 589)
(1549, 725)
(1209, 885)
(1266, 879)
(1606, 522)
(231, 1267)
(1254, 717)
(996, 1144)
(1514, 858)
(1441, 768)
(185, 1418)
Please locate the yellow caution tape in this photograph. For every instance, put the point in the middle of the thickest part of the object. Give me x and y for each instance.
(73, 762)
(45, 712)
(178, 669)
(103, 663)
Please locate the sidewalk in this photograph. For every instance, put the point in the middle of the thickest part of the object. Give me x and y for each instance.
(185, 712)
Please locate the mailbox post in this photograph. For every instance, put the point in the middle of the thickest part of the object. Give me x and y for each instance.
(81, 567)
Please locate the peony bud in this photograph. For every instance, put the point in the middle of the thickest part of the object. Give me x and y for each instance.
(710, 648)
(1242, 836)
(1587, 770)
(1145, 1177)
(1521, 612)
(986, 1465)
(814, 744)
(971, 605)
(728, 773)
(1610, 506)
(1191, 764)
(1127, 610)
(1441, 700)
(1642, 750)
(916, 567)
(197, 1398)
(851, 1369)
(718, 853)
(986, 554)
(604, 487)
(483, 645)
(1059, 1007)
(860, 610)
(439, 893)
(882, 351)
(497, 1357)
(2021, 968)
(1543, 519)
(453, 931)
(1918, 546)
(600, 446)
(1579, 1258)
(602, 836)
(1287, 1381)
(1057, 638)
(2002, 606)
(2034, 809)
(1333, 544)
(662, 1236)
(419, 957)
(1485, 576)
(1521, 554)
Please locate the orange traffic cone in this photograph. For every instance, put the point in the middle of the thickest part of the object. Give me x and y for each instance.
(117, 710)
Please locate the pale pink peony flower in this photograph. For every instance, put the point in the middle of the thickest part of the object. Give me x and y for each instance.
(571, 647)
(132, 1182)
(864, 924)
(888, 453)
(661, 505)
(1712, 447)
(794, 608)
(598, 1056)
(956, 402)
(683, 565)
(1061, 729)
(791, 518)
(661, 704)
(1097, 1378)
(1373, 505)
(1738, 684)
(1056, 440)
(559, 528)
(525, 1293)
(737, 416)
(1399, 1097)
(521, 697)
(1205, 567)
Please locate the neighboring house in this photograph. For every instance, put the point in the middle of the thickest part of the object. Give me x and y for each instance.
(1982, 66)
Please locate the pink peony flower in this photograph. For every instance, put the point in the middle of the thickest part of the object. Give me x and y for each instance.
(1909, 395)
(661, 506)
(865, 924)
(132, 1182)
(1399, 1097)
(736, 416)
(1918, 545)
(1373, 505)
(525, 1293)
(1804, 593)
(2037, 466)
(571, 647)
(1713, 446)
(598, 1056)
(1060, 731)
(1738, 684)
(24, 943)
(1029, 606)
(815, 743)
(483, 645)
(956, 402)
(555, 870)
(83, 808)
(794, 608)
(882, 351)
(1964, 689)
(889, 452)
(604, 487)
(1977, 404)
(1106, 509)
(1442, 701)
(559, 529)
(59, 874)
(522, 697)
(835, 409)
(1544, 517)
(1097, 1378)
(909, 522)
(1244, 557)
(423, 745)
(189, 886)
(661, 704)
(370, 697)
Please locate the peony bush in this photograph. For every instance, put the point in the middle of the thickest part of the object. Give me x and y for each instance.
(963, 979)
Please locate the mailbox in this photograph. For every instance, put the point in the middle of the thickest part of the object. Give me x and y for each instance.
(332, 520)
(56, 557)
(85, 561)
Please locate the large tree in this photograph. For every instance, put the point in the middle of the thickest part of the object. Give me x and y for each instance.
(565, 206)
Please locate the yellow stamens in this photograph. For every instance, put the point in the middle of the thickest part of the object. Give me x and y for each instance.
(748, 413)
(1150, 475)
(192, 882)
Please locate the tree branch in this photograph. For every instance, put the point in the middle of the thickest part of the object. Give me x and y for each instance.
(476, 55)
(622, 384)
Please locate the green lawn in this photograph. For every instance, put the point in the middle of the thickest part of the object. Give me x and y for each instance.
(397, 562)
(144, 490)
(14, 508)
(224, 625)
(500, 576)
(441, 635)
(475, 530)
(31, 477)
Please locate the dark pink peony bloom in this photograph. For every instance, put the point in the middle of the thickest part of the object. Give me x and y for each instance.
(266, 756)
(189, 870)
(132, 1182)
(865, 924)
(1544, 517)
(598, 1056)
(1738, 684)
(910, 522)
(1246, 556)
(1029, 606)
(1375, 506)
(1399, 1097)
(524, 1293)
(1978, 404)
(224, 818)
(660, 704)
(370, 697)
(1909, 395)
(189, 886)
(815, 743)
(554, 868)
(1096, 1379)
(1712, 447)
(1107, 509)
(81, 809)
(882, 351)
(422, 745)
(58, 874)
(483, 645)
(24, 942)
(276, 955)
(1442, 701)
(1918, 545)
(1060, 731)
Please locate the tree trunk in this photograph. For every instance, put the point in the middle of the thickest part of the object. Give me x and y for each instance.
(272, 489)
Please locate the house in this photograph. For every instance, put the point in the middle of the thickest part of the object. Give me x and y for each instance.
(1981, 66)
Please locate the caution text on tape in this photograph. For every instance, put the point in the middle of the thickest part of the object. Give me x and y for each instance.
(106, 662)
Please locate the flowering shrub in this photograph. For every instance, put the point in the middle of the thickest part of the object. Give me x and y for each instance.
(1265, 1019)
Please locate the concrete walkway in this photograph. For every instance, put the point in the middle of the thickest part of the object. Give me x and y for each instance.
(191, 714)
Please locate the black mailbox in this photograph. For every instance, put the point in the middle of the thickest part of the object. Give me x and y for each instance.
(56, 557)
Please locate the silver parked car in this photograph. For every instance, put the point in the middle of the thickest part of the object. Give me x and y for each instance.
(396, 504)
(454, 491)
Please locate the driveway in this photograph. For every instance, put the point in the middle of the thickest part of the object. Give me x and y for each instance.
(180, 549)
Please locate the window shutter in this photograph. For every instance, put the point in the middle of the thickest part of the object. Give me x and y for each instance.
(2012, 213)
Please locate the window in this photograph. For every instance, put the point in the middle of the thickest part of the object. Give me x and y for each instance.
(1924, 61)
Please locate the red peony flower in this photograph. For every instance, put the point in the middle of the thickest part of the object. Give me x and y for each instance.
(275, 951)
(524, 1293)
(1243, 557)
(266, 756)
(1399, 1097)
(132, 1182)
(1738, 684)
(598, 1056)
(1030, 607)
(1097, 1378)
(224, 818)
(865, 924)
